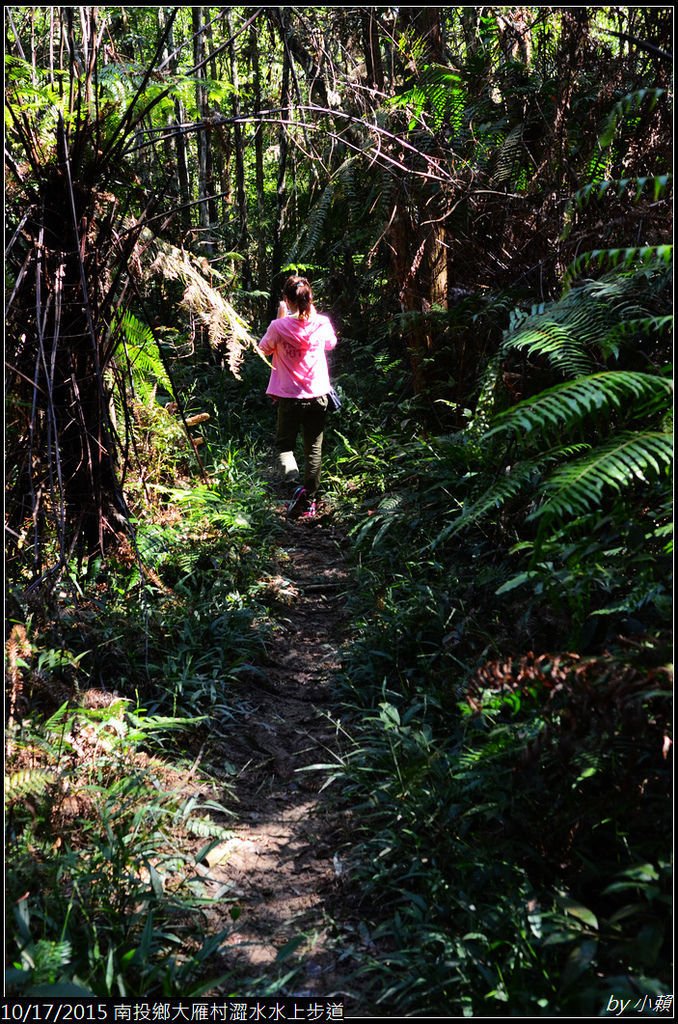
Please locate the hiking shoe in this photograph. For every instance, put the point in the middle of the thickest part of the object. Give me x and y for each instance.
(299, 503)
(310, 511)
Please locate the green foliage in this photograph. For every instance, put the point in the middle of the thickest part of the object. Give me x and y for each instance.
(104, 892)
(438, 90)
(31, 782)
(110, 844)
(140, 357)
(657, 185)
(497, 888)
(509, 821)
(628, 105)
(479, 904)
(575, 488)
(618, 258)
(610, 417)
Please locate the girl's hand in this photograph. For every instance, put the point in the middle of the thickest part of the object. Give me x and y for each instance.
(282, 310)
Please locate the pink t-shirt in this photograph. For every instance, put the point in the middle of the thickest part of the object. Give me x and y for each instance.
(299, 363)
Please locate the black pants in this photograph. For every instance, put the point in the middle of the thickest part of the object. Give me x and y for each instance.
(307, 415)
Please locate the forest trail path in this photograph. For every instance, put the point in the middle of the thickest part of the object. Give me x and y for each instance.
(281, 863)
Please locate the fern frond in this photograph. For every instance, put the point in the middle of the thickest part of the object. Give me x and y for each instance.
(518, 478)
(386, 515)
(509, 157)
(573, 334)
(565, 405)
(640, 327)
(314, 228)
(628, 104)
(31, 782)
(617, 259)
(203, 300)
(204, 828)
(579, 486)
(442, 90)
(555, 341)
(494, 497)
(657, 185)
(142, 357)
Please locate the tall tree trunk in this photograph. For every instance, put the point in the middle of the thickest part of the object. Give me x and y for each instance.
(212, 171)
(418, 237)
(283, 145)
(371, 48)
(262, 269)
(205, 179)
(179, 141)
(241, 196)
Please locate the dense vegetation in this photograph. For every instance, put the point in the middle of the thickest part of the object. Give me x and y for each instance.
(482, 199)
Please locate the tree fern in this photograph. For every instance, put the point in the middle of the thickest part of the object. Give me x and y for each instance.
(493, 498)
(439, 91)
(346, 188)
(607, 461)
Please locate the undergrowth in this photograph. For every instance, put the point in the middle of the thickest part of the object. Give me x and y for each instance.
(506, 692)
(121, 682)
(509, 689)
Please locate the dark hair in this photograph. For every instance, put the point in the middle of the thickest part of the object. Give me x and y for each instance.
(298, 291)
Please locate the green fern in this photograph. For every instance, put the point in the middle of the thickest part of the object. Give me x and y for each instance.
(441, 91)
(518, 479)
(141, 357)
(630, 330)
(626, 459)
(509, 157)
(387, 515)
(657, 185)
(591, 323)
(31, 782)
(566, 405)
(557, 343)
(621, 259)
(314, 228)
(595, 410)
(629, 104)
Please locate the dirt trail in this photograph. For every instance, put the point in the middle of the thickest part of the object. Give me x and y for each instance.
(281, 862)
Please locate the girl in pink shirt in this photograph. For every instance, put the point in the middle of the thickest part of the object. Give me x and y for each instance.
(297, 340)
